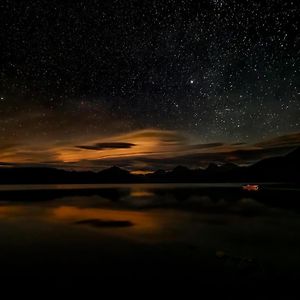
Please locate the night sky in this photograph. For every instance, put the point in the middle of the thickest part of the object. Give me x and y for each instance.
(147, 84)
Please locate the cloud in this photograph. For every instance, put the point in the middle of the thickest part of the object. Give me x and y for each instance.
(199, 155)
(289, 140)
(5, 164)
(238, 144)
(171, 137)
(207, 146)
(8, 146)
(148, 149)
(104, 146)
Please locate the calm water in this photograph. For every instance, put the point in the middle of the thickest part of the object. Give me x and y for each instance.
(161, 231)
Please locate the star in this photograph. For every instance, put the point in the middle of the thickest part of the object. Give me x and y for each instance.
(219, 70)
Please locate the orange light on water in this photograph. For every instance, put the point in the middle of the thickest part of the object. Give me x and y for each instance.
(251, 187)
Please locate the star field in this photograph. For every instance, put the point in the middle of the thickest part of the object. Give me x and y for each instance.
(225, 71)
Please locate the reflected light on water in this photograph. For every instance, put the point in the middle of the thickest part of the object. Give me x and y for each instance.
(11, 211)
(141, 221)
(141, 193)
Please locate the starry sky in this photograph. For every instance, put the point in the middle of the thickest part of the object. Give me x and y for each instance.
(147, 84)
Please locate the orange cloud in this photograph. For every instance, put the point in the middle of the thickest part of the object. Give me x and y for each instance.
(142, 151)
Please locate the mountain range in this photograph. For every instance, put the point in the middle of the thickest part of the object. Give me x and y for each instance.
(274, 169)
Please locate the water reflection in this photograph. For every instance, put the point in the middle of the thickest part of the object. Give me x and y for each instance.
(141, 192)
(187, 224)
(141, 222)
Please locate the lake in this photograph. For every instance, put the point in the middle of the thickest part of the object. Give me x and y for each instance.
(151, 231)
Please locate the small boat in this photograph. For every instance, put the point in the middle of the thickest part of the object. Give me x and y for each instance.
(250, 187)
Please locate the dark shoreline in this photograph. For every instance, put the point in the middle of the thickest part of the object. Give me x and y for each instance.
(282, 196)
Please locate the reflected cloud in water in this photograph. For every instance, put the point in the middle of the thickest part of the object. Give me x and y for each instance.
(179, 223)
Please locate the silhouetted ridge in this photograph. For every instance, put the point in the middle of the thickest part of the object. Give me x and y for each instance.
(228, 166)
(294, 155)
(115, 174)
(274, 169)
(212, 167)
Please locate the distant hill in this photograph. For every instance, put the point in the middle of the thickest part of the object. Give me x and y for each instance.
(275, 169)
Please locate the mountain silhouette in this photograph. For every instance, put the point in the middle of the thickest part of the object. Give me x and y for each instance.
(274, 169)
(284, 168)
(115, 174)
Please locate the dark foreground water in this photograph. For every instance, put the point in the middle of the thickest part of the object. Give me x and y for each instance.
(157, 232)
